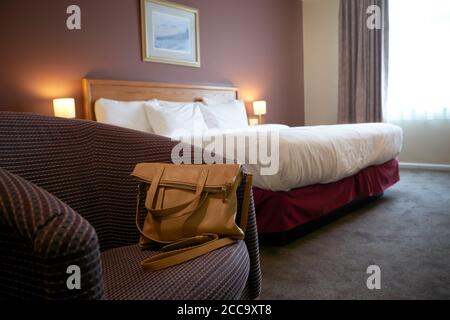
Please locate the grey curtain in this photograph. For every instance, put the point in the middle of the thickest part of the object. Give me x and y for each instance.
(363, 57)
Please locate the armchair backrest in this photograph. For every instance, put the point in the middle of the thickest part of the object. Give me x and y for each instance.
(85, 164)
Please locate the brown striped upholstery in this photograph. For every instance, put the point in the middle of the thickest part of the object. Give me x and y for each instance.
(40, 238)
(87, 165)
(223, 275)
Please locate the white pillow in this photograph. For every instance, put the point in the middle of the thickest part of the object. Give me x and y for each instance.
(123, 114)
(174, 119)
(231, 115)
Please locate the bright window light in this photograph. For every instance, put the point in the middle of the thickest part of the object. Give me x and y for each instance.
(419, 60)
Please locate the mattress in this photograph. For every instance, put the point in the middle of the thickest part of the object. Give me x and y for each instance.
(316, 154)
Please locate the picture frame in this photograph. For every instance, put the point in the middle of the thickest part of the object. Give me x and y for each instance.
(170, 33)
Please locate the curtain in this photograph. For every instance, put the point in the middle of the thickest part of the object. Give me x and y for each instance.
(419, 67)
(363, 58)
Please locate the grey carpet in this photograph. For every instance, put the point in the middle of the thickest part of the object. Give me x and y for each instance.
(406, 233)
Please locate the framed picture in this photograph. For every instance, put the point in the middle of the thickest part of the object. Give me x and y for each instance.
(170, 33)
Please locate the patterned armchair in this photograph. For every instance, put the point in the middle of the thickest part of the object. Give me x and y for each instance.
(67, 199)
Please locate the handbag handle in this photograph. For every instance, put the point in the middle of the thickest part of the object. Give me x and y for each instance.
(160, 212)
(142, 232)
(171, 210)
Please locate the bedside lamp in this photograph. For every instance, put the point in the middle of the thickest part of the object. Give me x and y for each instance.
(64, 108)
(259, 109)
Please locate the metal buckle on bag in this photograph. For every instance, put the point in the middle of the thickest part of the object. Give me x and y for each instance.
(141, 188)
(224, 194)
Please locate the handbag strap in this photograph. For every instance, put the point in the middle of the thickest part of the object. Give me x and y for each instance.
(190, 242)
(246, 203)
(167, 259)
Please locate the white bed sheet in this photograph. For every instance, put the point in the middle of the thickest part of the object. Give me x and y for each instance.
(324, 154)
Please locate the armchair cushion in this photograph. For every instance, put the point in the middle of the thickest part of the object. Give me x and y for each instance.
(220, 274)
(36, 224)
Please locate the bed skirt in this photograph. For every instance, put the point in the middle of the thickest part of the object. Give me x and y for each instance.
(283, 211)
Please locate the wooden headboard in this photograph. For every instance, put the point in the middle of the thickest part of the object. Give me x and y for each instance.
(132, 90)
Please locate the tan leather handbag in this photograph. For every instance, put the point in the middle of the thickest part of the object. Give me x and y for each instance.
(191, 210)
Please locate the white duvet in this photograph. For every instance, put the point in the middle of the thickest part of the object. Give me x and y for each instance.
(324, 154)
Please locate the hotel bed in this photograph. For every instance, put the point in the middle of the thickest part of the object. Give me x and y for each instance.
(321, 168)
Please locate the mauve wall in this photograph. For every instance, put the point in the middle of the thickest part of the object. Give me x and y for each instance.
(255, 45)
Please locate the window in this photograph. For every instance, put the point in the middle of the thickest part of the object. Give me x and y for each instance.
(419, 60)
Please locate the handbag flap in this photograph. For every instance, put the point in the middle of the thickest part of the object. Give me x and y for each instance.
(219, 175)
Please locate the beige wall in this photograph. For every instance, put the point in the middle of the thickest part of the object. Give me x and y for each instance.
(320, 32)
(424, 141)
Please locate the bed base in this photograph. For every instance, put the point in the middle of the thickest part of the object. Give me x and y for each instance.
(284, 216)
(286, 237)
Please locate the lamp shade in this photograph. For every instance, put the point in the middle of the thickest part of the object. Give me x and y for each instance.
(259, 108)
(64, 108)
(253, 121)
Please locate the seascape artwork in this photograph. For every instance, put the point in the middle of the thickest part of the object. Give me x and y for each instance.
(171, 32)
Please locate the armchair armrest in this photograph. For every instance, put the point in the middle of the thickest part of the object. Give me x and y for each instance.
(253, 288)
(41, 238)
